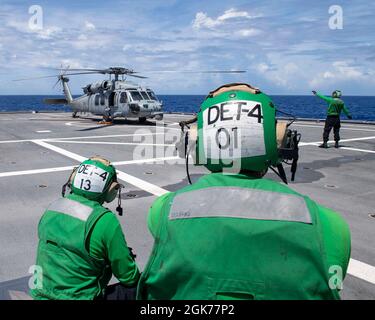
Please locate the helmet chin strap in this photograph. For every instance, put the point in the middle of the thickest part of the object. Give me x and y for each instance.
(187, 152)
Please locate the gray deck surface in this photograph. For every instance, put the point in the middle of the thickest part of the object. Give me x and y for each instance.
(342, 179)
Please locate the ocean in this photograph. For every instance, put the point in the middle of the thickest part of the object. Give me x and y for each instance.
(362, 108)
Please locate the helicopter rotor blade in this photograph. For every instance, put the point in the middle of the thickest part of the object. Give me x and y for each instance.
(91, 70)
(54, 76)
(54, 86)
(188, 71)
(136, 76)
(43, 77)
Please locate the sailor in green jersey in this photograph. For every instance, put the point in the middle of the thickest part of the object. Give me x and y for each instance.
(335, 106)
(232, 234)
(81, 243)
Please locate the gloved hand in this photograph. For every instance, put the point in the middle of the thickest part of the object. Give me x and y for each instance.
(350, 117)
(314, 92)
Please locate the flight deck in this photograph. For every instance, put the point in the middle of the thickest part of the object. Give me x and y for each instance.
(39, 150)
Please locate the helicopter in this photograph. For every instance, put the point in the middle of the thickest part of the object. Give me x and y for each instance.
(114, 97)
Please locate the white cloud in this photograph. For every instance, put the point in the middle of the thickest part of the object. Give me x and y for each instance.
(262, 67)
(248, 32)
(340, 71)
(46, 33)
(279, 71)
(89, 26)
(202, 20)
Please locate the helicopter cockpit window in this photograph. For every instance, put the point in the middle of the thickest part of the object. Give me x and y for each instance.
(152, 95)
(144, 95)
(136, 95)
(123, 98)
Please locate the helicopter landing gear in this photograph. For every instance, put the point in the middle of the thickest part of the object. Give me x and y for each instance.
(74, 114)
(106, 121)
(142, 119)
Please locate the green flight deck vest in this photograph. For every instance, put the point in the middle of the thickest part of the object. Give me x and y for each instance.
(235, 237)
(68, 271)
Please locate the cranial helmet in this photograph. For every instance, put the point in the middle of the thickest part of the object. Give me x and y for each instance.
(336, 94)
(237, 130)
(94, 179)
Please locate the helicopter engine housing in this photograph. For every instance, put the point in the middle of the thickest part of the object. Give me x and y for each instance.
(98, 86)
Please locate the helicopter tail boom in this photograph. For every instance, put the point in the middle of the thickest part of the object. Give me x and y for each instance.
(66, 89)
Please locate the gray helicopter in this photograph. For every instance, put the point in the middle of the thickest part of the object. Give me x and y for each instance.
(114, 97)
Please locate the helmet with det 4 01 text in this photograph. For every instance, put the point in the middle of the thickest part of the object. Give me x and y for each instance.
(236, 130)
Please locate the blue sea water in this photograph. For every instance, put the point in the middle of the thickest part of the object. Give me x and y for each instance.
(362, 108)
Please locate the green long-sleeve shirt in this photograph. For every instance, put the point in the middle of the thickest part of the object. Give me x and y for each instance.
(335, 105)
(107, 240)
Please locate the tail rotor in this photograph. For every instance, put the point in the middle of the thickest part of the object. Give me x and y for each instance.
(61, 75)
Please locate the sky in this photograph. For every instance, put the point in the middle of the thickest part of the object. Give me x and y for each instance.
(286, 47)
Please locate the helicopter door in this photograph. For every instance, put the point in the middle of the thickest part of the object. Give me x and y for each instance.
(111, 100)
(123, 102)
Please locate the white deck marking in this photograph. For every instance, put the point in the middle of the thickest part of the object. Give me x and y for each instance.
(141, 184)
(15, 141)
(35, 171)
(342, 128)
(43, 131)
(362, 270)
(60, 150)
(19, 295)
(85, 137)
(356, 149)
(344, 140)
(152, 160)
(67, 168)
(115, 143)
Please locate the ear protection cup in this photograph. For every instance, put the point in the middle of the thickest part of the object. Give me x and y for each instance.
(112, 191)
(72, 176)
(336, 94)
(281, 130)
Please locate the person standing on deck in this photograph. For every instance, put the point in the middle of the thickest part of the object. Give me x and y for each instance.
(335, 106)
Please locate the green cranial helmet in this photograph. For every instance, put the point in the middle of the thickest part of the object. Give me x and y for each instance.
(95, 179)
(237, 130)
(336, 94)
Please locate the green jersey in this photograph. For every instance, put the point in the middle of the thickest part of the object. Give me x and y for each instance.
(235, 237)
(335, 106)
(81, 244)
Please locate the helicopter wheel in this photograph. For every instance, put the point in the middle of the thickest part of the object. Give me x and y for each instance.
(142, 119)
(74, 115)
